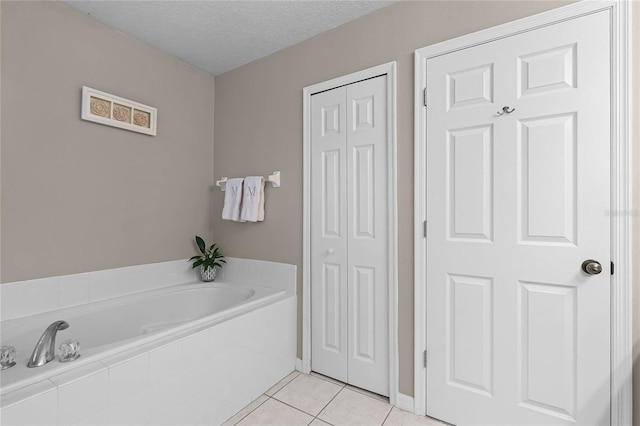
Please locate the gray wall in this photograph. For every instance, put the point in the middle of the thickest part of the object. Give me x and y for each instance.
(258, 126)
(79, 196)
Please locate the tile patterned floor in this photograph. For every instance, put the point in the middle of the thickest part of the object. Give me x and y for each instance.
(316, 400)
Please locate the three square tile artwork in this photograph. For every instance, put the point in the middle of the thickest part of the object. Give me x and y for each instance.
(316, 400)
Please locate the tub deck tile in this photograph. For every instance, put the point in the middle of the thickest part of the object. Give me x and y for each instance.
(78, 373)
(24, 393)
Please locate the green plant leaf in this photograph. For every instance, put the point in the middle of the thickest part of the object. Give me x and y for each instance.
(201, 245)
(194, 258)
(198, 263)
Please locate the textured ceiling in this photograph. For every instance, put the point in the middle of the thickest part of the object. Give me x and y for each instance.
(217, 36)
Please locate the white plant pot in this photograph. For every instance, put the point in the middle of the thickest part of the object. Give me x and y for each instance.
(207, 275)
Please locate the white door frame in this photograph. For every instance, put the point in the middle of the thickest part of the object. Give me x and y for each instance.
(390, 70)
(621, 343)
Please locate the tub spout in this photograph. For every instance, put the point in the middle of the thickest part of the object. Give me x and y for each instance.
(45, 349)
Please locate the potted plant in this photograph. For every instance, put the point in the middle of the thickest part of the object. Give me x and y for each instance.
(208, 261)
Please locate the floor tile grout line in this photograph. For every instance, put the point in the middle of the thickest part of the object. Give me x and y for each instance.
(368, 396)
(259, 405)
(342, 386)
(309, 414)
(295, 408)
(326, 378)
(284, 385)
(375, 399)
(330, 401)
(368, 393)
(352, 389)
(387, 416)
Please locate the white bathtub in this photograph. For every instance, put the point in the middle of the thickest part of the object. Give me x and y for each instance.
(192, 325)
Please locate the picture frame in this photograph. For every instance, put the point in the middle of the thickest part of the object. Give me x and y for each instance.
(115, 111)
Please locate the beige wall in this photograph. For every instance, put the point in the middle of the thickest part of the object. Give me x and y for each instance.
(79, 196)
(258, 126)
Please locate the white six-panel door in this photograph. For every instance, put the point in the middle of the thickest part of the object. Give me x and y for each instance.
(349, 277)
(517, 333)
(329, 269)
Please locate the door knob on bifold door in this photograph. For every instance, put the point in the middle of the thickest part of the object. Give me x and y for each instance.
(591, 267)
(330, 251)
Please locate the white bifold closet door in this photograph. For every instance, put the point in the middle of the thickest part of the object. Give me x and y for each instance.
(349, 266)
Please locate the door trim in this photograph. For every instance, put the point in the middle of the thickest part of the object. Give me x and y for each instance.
(621, 195)
(390, 70)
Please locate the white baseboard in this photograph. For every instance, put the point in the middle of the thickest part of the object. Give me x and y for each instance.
(302, 367)
(404, 402)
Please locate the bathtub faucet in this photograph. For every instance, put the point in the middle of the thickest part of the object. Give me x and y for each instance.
(45, 349)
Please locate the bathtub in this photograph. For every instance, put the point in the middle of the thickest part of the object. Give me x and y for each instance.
(228, 341)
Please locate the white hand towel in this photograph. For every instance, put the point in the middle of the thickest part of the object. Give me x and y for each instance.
(232, 199)
(253, 199)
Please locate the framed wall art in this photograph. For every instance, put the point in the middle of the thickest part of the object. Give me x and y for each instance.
(104, 108)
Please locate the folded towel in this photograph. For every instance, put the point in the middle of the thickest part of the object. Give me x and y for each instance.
(232, 199)
(253, 199)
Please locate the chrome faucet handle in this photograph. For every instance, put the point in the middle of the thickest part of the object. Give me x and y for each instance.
(7, 357)
(45, 349)
(69, 350)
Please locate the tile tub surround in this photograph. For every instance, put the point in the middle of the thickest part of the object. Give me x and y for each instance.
(202, 378)
(24, 298)
(281, 276)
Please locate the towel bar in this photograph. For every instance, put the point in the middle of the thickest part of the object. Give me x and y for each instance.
(273, 178)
